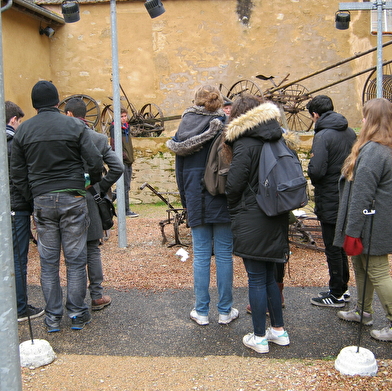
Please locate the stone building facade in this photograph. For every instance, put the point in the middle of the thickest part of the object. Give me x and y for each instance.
(163, 60)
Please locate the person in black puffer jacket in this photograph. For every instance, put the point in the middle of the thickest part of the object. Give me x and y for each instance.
(21, 210)
(208, 215)
(332, 143)
(259, 239)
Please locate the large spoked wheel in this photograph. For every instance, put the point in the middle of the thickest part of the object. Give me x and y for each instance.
(293, 100)
(107, 119)
(370, 87)
(93, 112)
(244, 86)
(152, 115)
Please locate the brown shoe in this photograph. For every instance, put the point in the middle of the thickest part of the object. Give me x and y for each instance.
(101, 303)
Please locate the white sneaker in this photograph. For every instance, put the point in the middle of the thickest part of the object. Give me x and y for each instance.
(258, 344)
(355, 316)
(226, 319)
(384, 334)
(279, 337)
(202, 320)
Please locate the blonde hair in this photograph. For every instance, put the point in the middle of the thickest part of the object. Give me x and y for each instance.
(209, 97)
(377, 127)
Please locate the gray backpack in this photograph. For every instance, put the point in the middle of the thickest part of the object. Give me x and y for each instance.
(282, 185)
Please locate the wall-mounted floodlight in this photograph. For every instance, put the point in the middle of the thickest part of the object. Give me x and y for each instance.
(342, 20)
(154, 7)
(48, 31)
(70, 11)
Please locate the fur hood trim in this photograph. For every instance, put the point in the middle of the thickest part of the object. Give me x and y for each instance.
(195, 143)
(256, 116)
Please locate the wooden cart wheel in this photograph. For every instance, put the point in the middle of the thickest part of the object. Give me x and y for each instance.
(244, 86)
(293, 100)
(370, 87)
(151, 111)
(107, 118)
(93, 112)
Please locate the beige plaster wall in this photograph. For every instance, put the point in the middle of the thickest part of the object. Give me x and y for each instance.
(163, 60)
(26, 57)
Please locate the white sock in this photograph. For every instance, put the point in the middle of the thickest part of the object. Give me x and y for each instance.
(277, 333)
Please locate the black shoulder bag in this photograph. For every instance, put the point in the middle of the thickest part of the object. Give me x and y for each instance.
(106, 209)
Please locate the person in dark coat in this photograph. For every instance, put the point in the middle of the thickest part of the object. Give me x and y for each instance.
(75, 107)
(259, 239)
(47, 165)
(21, 210)
(332, 144)
(208, 215)
(366, 185)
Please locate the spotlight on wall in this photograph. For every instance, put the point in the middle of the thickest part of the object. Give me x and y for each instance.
(70, 11)
(48, 31)
(154, 7)
(342, 20)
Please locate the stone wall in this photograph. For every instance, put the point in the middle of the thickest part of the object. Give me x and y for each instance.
(155, 164)
(163, 60)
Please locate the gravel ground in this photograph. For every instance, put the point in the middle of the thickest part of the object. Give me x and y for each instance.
(126, 268)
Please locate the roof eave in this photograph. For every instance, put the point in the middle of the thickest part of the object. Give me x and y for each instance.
(37, 12)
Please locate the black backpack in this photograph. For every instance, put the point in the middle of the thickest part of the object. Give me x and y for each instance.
(217, 168)
(282, 185)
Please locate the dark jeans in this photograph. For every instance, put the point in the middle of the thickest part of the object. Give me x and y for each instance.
(337, 262)
(62, 221)
(94, 269)
(263, 293)
(127, 185)
(21, 239)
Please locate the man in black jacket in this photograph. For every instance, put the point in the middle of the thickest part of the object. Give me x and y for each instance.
(332, 143)
(20, 216)
(47, 166)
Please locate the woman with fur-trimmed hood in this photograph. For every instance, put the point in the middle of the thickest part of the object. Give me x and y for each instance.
(208, 215)
(259, 239)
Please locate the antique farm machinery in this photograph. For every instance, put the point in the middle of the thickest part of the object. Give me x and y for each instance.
(292, 97)
(146, 122)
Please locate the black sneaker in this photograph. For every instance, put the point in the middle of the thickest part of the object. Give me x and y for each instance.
(132, 214)
(52, 327)
(346, 295)
(78, 322)
(328, 301)
(33, 312)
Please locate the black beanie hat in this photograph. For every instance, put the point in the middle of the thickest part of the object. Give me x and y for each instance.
(44, 94)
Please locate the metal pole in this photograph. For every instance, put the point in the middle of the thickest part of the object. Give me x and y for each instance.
(121, 227)
(10, 376)
(370, 213)
(379, 48)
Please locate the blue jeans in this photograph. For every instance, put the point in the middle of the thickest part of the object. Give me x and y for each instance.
(62, 221)
(209, 238)
(21, 239)
(263, 293)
